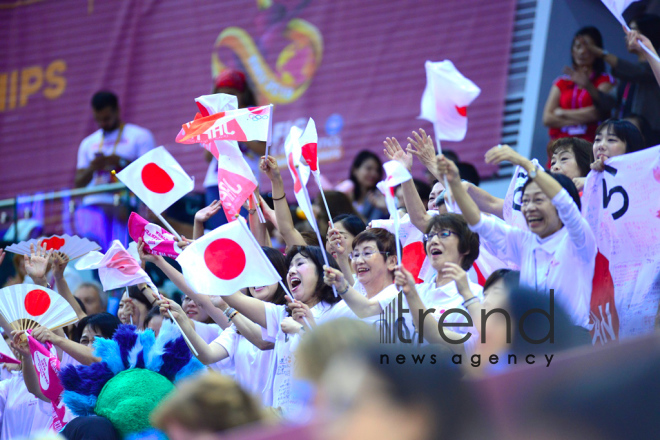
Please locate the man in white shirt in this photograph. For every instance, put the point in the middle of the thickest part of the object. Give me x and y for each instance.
(112, 147)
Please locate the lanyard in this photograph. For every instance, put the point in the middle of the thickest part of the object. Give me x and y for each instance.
(114, 148)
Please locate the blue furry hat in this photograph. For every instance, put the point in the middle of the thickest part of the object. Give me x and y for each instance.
(136, 371)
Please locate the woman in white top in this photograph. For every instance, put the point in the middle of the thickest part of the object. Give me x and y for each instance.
(559, 249)
(448, 241)
(314, 303)
(240, 347)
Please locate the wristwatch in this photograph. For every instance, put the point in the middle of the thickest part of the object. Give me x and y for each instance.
(532, 173)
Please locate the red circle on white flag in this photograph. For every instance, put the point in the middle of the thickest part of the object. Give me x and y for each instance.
(225, 258)
(37, 302)
(156, 179)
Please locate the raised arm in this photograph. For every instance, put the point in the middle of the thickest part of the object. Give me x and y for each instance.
(362, 306)
(60, 261)
(414, 205)
(36, 264)
(484, 200)
(257, 228)
(421, 146)
(337, 245)
(81, 353)
(29, 373)
(469, 208)
(633, 38)
(546, 182)
(284, 220)
(204, 215)
(207, 354)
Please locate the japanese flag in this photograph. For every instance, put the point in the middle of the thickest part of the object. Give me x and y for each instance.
(217, 263)
(157, 179)
(309, 145)
(117, 268)
(617, 7)
(236, 182)
(300, 173)
(445, 100)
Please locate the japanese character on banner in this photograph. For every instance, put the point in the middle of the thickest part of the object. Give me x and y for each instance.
(622, 206)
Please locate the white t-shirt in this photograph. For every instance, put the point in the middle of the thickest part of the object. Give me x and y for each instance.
(285, 346)
(209, 332)
(22, 415)
(440, 298)
(252, 364)
(134, 142)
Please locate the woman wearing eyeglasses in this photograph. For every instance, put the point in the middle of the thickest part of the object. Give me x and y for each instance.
(452, 248)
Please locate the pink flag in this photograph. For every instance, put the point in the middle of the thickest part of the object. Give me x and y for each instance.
(47, 367)
(117, 268)
(157, 179)
(6, 355)
(300, 174)
(245, 124)
(236, 182)
(226, 260)
(445, 100)
(157, 241)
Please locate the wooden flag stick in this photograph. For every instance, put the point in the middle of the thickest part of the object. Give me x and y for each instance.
(169, 227)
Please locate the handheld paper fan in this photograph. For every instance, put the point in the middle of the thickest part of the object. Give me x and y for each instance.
(72, 246)
(26, 306)
(6, 355)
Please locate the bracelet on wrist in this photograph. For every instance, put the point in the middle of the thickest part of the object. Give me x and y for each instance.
(343, 292)
(468, 302)
(279, 198)
(228, 311)
(235, 312)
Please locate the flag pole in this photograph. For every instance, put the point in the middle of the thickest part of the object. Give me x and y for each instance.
(270, 129)
(315, 226)
(169, 227)
(327, 210)
(445, 177)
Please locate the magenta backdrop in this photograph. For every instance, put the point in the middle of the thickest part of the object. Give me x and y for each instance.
(356, 67)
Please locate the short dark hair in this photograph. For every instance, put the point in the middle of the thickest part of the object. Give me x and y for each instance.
(338, 204)
(155, 311)
(362, 157)
(352, 223)
(510, 278)
(597, 37)
(582, 150)
(468, 241)
(626, 131)
(315, 254)
(649, 26)
(566, 183)
(104, 99)
(104, 323)
(384, 239)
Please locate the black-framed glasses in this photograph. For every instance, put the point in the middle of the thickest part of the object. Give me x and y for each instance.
(443, 235)
(366, 254)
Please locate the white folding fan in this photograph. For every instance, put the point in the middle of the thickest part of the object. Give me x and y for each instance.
(27, 306)
(6, 355)
(72, 246)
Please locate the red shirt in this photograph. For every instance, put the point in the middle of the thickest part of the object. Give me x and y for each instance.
(573, 97)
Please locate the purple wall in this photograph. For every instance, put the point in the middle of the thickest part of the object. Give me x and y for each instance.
(357, 68)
